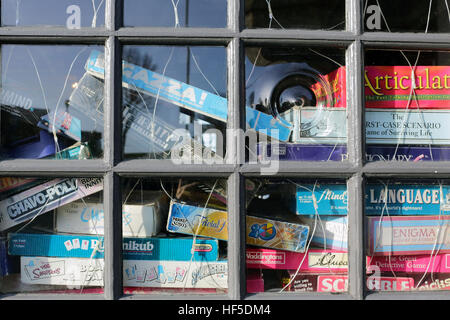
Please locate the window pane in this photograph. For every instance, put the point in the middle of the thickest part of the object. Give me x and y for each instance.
(407, 96)
(408, 235)
(291, 244)
(175, 235)
(304, 14)
(68, 13)
(174, 103)
(295, 104)
(47, 109)
(179, 13)
(410, 16)
(42, 248)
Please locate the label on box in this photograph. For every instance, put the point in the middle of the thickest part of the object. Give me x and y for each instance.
(276, 234)
(339, 283)
(61, 271)
(439, 263)
(175, 274)
(316, 260)
(137, 220)
(391, 87)
(53, 245)
(407, 199)
(330, 199)
(188, 219)
(186, 96)
(432, 281)
(83, 246)
(396, 126)
(45, 197)
(407, 126)
(331, 231)
(394, 199)
(407, 235)
(418, 281)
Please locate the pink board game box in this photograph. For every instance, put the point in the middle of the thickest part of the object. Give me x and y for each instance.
(390, 87)
(410, 263)
(316, 260)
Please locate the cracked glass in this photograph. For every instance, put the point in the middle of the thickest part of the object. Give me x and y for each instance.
(296, 236)
(174, 103)
(175, 13)
(407, 235)
(47, 109)
(407, 97)
(45, 246)
(411, 16)
(175, 234)
(68, 13)
(295, 104)
(298, 14)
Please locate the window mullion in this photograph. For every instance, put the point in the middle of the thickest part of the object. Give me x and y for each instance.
(113, 286)
(235, 193)
(353, 16)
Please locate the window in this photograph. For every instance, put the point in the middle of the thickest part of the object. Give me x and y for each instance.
(236, 149)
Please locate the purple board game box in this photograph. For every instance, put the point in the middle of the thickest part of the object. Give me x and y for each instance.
(338, 152)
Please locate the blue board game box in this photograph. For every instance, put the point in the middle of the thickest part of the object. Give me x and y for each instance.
(331, 199)
(85, 246)
(390, 199)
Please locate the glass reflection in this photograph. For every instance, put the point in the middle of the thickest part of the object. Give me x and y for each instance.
(67, 13)
(175, 13)
(43, 246)
(174, 103)
(175, 234)
(411, 16)
(296, 235)
(408, 233)
(302, 14)
(295, 104)
(407, 96)
(47, 109)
